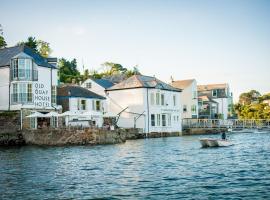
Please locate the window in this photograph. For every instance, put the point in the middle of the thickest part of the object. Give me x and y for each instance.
(184, 108)
(153, 120)
(29, 93)
(54, 94)
(157, 99)
(22, 93)
(158, 119)
(152, 99)
(15, 93)
(83, 104)
(214, 93)
(14, 64)
(21, 69)
(193, 109)
(163, 116)
(162, 99)
(169, 119)
(174, 100)
(98, 105)
(88, 85)
(54, 122)
(33, 123)
(93, 104)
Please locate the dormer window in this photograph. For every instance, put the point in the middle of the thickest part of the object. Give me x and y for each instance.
(22, 69)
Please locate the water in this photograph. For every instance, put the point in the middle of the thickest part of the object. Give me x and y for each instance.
(162, 168)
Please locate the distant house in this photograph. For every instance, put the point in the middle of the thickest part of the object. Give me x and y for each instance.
(28, 83)
(98, 86)
(189, 100)
(221, 94)
(86, 107)
(208, 108)
(146, 102)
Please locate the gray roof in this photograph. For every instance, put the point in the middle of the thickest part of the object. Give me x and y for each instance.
(76, 91)
(7, 53)
(104, 83)
(140, 81)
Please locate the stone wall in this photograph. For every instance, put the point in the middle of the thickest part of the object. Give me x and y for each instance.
(10, 122)
(203, 131)
(164, 134)
(55, 137)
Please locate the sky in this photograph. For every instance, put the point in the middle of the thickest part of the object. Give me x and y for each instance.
(217, 41)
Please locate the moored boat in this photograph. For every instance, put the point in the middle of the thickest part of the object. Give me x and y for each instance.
(209, 142)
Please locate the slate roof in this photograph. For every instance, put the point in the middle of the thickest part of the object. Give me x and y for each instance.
(104, 83)
(140, 81)
(7, 53)
(76, 91)
(182, 84)
(212, 87)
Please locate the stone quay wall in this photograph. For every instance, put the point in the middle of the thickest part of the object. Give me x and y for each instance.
(203, 131)
(60, 137)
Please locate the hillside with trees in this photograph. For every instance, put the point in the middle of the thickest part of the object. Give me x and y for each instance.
(253, 105)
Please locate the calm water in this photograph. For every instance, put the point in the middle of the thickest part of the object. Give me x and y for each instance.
(163, 168)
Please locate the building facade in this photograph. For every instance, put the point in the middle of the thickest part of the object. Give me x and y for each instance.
(189, 97)
(98, 86)
(28, 81)
(86, 107)
(147, 103)
(219, 93)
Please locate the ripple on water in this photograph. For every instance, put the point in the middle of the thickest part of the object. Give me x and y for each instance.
(162, 168)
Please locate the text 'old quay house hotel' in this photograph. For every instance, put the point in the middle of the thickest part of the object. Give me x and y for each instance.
(28, 82)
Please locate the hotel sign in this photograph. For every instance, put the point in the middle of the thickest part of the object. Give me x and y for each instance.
(42, 97)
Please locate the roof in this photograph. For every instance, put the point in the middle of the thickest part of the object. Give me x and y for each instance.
(6, 54)
(140, 81)
(76, 91)
(182, 84)
(206, 99)
(212, 86)
(104, 83)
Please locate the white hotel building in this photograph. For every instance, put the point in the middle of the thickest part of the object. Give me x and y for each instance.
(27, 81)
(147, 103)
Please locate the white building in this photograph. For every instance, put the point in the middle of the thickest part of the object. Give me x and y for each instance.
(86, 107)
(219, 93)
(147, 103)
(98, 86)
(189, 98)
(27, 82)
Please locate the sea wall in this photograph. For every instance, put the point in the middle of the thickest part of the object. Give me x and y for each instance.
(203, 131)
(59, 137)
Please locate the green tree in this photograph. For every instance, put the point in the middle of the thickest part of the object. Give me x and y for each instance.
(68, 72)
(3, 43)
(249, 97)
(44, 48)
(39, 46)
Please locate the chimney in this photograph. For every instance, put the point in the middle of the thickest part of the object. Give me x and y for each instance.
(52, 61)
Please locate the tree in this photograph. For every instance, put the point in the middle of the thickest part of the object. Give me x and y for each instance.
(39, 46)
(3, 43)
(68, 71)
(44, 48)
(249, 97)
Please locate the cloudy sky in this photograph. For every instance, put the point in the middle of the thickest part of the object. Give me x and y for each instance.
(212, 41)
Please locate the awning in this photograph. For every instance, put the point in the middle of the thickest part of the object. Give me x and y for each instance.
(51, 114)
(36, 114)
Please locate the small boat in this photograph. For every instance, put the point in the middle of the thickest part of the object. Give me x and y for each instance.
(209, 142)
